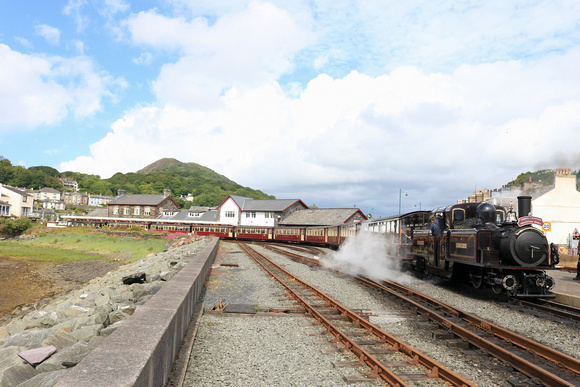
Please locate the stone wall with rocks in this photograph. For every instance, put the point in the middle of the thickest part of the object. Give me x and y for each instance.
(38, 349)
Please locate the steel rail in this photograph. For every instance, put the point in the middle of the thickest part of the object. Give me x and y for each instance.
(299, 257)
(436, 370)
(554, 308)
(541, 350)
(517, 362)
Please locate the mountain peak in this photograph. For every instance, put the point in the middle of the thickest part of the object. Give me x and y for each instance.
(171, 165)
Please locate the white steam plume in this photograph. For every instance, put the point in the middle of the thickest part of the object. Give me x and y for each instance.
(370, 255)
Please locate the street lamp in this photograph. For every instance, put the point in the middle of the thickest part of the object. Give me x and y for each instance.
(419, 206)
(401, 192)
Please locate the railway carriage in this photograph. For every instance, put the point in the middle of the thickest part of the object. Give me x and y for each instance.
(347, 231)
(253, 233)
(222, 231)
(289, 234)
(317, 235)
(398, 231)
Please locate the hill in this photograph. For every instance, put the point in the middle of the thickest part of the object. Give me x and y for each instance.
(208, 188)
(169, 165)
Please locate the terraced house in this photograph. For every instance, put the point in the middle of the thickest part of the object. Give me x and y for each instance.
(15, 202)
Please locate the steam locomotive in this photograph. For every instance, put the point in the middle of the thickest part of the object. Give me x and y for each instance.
(478, 246)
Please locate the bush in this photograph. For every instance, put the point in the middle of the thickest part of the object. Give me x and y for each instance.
(14, 227)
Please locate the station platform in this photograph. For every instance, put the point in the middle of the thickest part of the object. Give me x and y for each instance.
(567, 290)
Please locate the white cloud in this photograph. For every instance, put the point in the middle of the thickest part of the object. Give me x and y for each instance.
(245, 49)
(50, 34)
(339, 103)
(143, 59)
(42, 90)
(74, 9)
(406, 128)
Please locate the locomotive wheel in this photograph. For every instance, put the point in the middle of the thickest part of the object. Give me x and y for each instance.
(476, 278)
(497, 289)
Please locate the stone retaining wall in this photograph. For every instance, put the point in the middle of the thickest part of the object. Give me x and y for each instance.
(142, 350)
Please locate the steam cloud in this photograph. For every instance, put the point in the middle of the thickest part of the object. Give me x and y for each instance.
(368, 254)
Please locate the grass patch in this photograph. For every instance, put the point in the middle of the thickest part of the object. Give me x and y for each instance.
(81, 244)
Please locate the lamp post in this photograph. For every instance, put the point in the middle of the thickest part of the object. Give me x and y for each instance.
(401, 192)
(419, 206)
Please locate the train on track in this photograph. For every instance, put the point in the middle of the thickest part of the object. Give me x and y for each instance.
(479, 245)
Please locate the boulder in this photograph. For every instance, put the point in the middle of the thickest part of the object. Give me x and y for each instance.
(44, 379)
(36, 356)
(137, 278)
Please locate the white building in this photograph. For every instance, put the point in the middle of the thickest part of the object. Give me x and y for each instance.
(560, 206)
(20, 202)
(242, 211)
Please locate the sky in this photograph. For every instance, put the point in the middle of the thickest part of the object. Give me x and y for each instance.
(338, 103)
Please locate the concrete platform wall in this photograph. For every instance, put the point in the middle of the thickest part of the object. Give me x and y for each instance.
(142, 350)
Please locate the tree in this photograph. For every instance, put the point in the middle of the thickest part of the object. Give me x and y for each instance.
(13, 227)
(46, 170)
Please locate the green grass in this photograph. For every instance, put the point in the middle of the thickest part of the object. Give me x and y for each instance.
(80, 244)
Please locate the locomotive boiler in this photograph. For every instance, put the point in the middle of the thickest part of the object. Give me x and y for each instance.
(480, 247)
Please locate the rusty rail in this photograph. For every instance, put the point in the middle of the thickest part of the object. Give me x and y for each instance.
(532, 370)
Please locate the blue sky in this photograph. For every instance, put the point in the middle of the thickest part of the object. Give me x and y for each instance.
(338, 103)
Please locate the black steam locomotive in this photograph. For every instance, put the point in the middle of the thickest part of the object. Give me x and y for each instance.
(480, 246)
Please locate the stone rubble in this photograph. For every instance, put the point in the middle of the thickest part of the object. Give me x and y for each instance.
(79, 321)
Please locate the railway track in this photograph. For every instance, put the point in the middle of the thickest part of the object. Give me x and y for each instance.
(374, 347)
(549, 309)
(541, 364)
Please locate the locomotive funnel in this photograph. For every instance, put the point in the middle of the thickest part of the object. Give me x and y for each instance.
(524, 206)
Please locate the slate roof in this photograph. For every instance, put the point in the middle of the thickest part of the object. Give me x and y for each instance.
(99, 212)
(16, 190)
(207, 216)
(239, 200)
(275, 205)
(138, 200)
(49, 189)
(319, 217)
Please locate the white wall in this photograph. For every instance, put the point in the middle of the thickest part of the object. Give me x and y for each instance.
(229, 205)
(561, 207)
(259, 220)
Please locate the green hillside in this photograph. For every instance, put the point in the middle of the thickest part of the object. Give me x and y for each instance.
(207, 187)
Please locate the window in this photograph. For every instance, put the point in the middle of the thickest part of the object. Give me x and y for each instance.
(137, 211)
(24, 198)
(147, 211)
(126, 210)
(230, 214)
(253, 214)
(115, 210)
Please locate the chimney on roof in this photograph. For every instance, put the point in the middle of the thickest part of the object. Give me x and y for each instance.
(120, 192)
(166, 192)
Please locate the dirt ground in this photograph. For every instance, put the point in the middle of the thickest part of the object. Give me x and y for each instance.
(24, 283)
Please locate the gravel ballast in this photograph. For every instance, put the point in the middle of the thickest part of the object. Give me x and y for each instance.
(278, 350)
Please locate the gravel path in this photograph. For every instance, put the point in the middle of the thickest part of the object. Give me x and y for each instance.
(242, 350)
